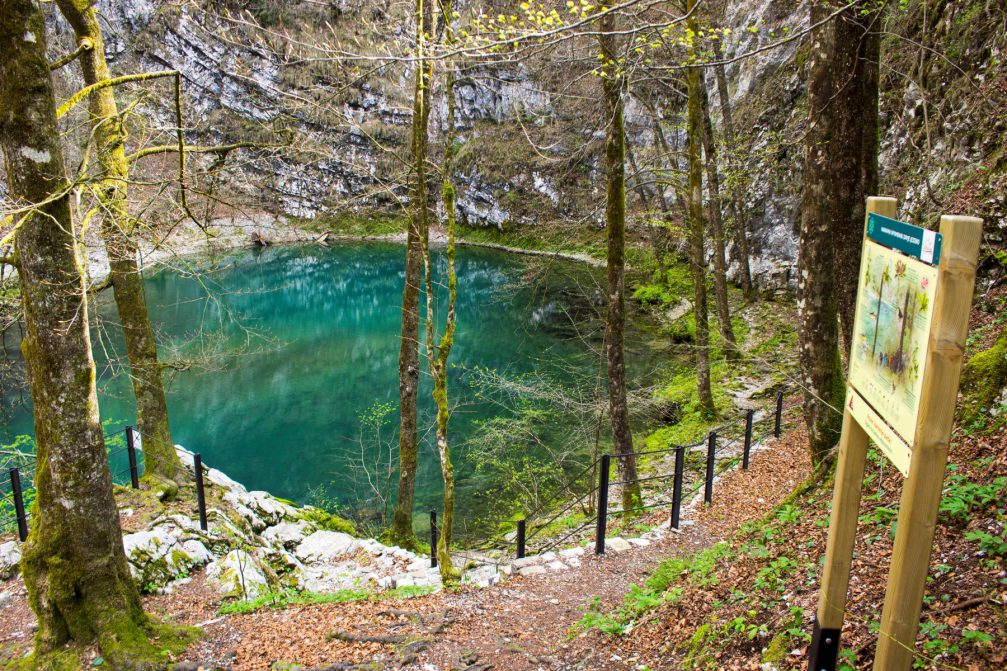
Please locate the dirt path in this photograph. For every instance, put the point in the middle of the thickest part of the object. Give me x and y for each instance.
(524, 624)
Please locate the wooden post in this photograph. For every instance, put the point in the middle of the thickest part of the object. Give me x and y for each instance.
(922, 490)
(824, 650)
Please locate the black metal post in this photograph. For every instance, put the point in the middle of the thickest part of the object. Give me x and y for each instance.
(823, 653)
(197, 465)
(779, 414)
(749, 416)
(433, 539)
(22, 521)
(134, 475)
(599, 534)
(711, 457)
(676, 496)
(520, 538)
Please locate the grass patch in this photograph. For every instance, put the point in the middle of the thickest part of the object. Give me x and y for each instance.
(290, 597)
(362, 225)
(544, 238)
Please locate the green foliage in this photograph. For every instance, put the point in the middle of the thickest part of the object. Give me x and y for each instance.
(993, 544)
(962, 496)
(666, 290)
(976, 637)
(793, 635)
(659, 588)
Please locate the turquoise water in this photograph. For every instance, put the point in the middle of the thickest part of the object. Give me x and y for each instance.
(282, 351)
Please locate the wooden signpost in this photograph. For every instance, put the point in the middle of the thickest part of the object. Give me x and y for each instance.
(913, 306)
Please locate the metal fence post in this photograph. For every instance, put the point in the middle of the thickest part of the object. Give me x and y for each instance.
(22, 521)
(676, 496)
(433, 539)
(779, 414)
(134, 475)
(711, 456)
(197, 465)
(520, 538)
(599, 534)
(749, 416)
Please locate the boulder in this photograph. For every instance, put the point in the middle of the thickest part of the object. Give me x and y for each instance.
(286, 534)
(10, 558)
(325, 545)
(237, 574)
(164, 553)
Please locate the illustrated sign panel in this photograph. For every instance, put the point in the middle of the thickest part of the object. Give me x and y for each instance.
(898, 284)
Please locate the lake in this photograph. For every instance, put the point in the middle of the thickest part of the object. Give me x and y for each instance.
(287, 375)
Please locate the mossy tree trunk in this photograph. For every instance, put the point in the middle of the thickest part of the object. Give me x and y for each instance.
(613, 86)
(437, 355)
(697, 226)
(117, 232)
(416, 239)
(730, 344)
(74, 566)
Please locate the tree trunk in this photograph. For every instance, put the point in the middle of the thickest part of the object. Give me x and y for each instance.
(117, 229)
(402, 532)
(613, 83)
(438, 357)
(74, 566)
(854, 150)
(816, 283)
(719, 261)
(740, 223)
(696, 230)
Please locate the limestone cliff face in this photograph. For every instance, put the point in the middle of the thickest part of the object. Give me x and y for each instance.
(530, 136)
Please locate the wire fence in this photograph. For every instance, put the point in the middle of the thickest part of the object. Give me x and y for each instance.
(589, 487)
(124, 450)
(725, 447)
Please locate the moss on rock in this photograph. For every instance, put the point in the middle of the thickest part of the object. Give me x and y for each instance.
(984, 378)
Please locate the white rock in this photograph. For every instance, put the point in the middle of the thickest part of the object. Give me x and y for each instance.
(571, 552)
(237, 574)
(639, 542)
(324, 546)
(556, 565)
(532, 570)
(159, 554)
(286, 534)
(528, 561)
(10, 557)
(617, 544)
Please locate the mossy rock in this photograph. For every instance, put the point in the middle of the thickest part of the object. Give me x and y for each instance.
(984, 378)
(328, 522)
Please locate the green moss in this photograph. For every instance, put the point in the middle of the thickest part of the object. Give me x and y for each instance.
(328, 521)
(125, 647)
(984, 378)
